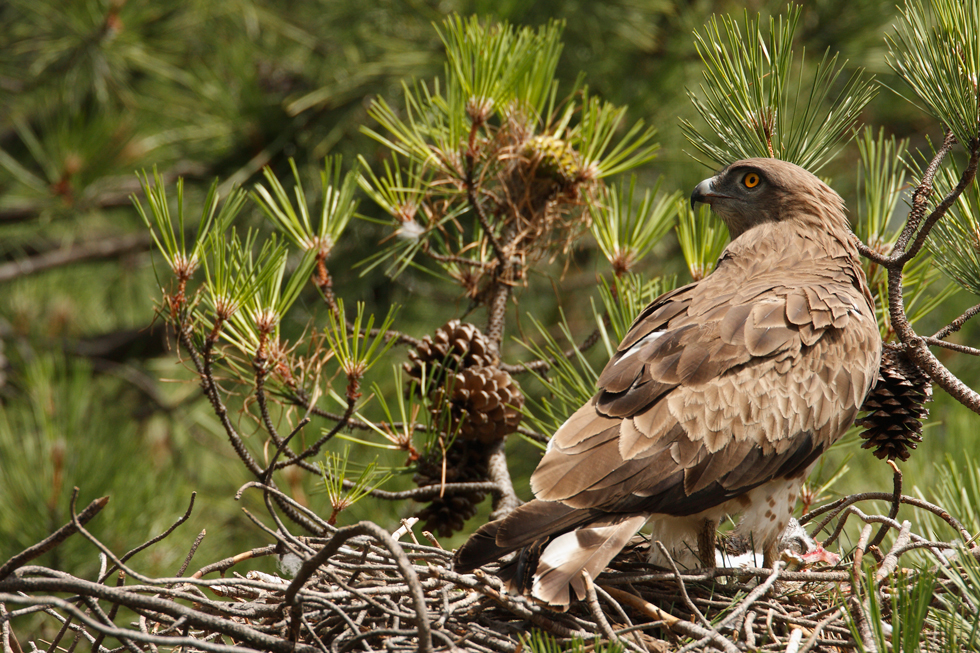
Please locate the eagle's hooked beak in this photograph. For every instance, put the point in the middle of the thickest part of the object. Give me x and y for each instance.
(702, 193)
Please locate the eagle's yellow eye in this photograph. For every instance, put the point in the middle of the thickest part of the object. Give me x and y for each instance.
(751, 180)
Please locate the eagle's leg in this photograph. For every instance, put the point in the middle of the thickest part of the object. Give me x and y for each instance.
(770, 555)
(706, 543)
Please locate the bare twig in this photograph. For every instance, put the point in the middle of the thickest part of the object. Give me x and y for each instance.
(683, 589)
(952, 346)
(890, 562)
(190, 554)
(677, 625)
(957, 324)
(544, 365)
(896, 502)
(341, 536)
(54, 539)
(100, 248)
(837, 506)
(857, 609)
(592, 599)
(922, 192)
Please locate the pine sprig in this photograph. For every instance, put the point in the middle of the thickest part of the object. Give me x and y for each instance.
(881, 179)
(571, 381)
(170, 234)
(756, 102)
(337, 200)
(955, 241)
(937, 54)
(702, 239)
(626, 232)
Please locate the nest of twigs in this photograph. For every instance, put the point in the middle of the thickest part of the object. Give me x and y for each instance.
(361, 589)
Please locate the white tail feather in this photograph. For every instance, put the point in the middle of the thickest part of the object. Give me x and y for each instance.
(589, 548)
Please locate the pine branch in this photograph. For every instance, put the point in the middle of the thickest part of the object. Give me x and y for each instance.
(94, 250)
(958, 323)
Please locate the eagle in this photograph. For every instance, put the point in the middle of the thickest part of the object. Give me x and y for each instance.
(718, 402)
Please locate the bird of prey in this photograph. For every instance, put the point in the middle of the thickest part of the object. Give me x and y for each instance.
(718, 402)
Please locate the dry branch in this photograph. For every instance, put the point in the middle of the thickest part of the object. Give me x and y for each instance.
(360, 589)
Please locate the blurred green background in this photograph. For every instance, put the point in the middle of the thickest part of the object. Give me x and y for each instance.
(92, 91)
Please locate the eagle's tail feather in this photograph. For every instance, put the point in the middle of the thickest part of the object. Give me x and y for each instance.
(528, 523)
(589, 548)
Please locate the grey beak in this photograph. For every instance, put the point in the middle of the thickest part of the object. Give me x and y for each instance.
(701, 192)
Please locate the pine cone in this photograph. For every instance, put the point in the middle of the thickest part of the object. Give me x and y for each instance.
(466, 462)
(894, 423)
(453, 347)
(484, 402)
(554, 158)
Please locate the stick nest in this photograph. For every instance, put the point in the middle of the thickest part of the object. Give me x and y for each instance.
(359, 589)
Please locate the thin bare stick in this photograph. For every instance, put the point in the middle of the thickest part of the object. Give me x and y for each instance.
(683, 589)
(190, 554)
(404, 566)
(966, 178)
(837, 506)
(271, 467)
(957, 324)
(815, 635)
(922, 192)
(54, 539)
(95, 249)
(896, 502)
(890, 562)
(129, 554)
(592, 599)
(856, 606)
(544, 365)
(679, 626)
(6, 635)
(952, 346)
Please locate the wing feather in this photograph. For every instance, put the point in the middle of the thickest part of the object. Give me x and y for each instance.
(719, 386)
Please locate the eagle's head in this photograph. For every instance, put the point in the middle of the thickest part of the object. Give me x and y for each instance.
(753, 191)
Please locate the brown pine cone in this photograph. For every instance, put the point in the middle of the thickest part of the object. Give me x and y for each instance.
(466, 462)
(484, 403)
(896, 407)
(454, 346)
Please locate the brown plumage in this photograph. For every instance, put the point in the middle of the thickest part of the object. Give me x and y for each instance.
(718, 401)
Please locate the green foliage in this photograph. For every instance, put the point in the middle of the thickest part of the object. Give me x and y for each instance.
(702, 238)
(493, 128)
(358, 346)
(901, 625)
(959, 620)
(626, 233)
(756, 103)
(258, 321)
(171, 237)
(538, 641)
(334, 471)
(622, 300)
(499, 66)
(56, 441)
(958, 490)
(935, 51)
(881, 179)
(955, 241)
(232, 277)
(338, 206)
(570, 382)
